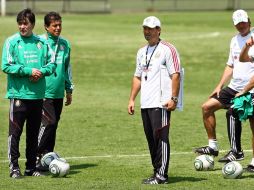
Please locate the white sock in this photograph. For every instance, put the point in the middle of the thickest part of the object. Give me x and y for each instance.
(252, 162)
(213, 144)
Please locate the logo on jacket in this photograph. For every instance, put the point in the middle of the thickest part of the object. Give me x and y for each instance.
(39, 45)
(61, 47)
(17, 103)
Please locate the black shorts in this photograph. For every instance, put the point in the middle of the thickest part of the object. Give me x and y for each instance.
(225, 96)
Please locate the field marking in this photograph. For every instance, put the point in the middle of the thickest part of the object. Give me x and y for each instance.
(120, 156)
(200, 36)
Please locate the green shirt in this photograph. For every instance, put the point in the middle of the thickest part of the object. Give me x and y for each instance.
(21, 54)
(61, 80)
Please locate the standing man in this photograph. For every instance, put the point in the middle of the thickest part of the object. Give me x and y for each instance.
(240, 74)
(247, 55)
(56, 84)
(157, 75)
(26, 61)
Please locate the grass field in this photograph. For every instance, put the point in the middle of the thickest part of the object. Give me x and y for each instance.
(106, 147)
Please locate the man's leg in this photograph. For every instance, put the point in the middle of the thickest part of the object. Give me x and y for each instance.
(16, 123)
(160, 125)
(149, 135)
(209, 120)
(234, 127)
(250, 167)
(32, 131)
(46, 129)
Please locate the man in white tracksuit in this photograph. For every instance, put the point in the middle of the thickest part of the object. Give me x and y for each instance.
(157, 76)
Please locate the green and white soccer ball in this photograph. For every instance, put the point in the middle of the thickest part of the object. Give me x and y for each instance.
(48, 158)
(204, 163)
(59, 167)
(232, 170)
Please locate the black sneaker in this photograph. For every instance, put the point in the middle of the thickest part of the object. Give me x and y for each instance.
(157, 180)
(15, 173)
(250, 168)
(40, 167)
(206, 150)
(232, 156)
(32, 173)
(145, 181)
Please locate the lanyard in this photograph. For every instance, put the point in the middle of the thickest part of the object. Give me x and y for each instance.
(53, 52)
(148, 63)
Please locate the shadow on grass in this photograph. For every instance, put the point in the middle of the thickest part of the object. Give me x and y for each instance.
(74, 168)
(181, 179)
(247, 175)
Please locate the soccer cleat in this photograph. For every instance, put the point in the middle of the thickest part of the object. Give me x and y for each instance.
(15, 173)
(40, 167)
(206, 150)
(232, 156)
(145, 181)
(250, 168)
(156, 180)
(32, 173)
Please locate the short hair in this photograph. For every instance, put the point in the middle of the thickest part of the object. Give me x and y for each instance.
(51, 16)
(26, 14)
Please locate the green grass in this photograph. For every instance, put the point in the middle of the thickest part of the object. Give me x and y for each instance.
(106, 147)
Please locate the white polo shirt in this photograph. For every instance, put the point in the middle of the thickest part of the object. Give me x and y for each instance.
(156, 84)
(242, 72)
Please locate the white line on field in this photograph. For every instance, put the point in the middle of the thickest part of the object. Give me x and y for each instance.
(121, 156)
(200, 36)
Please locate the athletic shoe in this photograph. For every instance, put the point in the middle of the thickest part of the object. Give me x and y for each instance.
(207, 150)
(15, 173)
(250, 168)
(145, 181)
(232, 156)
(40, 167)
(156, 180)
(32, 173)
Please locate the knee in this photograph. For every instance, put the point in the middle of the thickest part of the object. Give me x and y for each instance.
(206, 108)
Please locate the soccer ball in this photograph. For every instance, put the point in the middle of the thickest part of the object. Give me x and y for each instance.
(48, 158)
(203, 163)
(232, 170)
(59, 168)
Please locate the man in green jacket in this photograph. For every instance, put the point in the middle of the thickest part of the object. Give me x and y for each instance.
(57, 85)
(26, 60)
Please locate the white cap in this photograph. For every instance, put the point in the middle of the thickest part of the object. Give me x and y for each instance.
(151, 22)
(240, 16)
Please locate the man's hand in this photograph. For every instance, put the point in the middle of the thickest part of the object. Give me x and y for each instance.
(216, 92)
(250, 41)
(68, 99)
(36, 75)
(131, 107)
(170, 105)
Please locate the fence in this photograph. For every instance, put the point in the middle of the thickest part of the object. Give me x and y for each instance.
(63, 6)
(107, 6)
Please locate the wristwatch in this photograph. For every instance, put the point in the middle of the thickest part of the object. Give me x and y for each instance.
(175, 99)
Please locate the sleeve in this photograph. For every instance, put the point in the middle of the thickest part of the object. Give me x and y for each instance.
(230, 56)
(172, 60)
(68, 73)
(138, 71)
(50, 66)
(9, 64)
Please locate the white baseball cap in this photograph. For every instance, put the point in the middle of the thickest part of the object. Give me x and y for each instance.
(240, 16)
(151, 22)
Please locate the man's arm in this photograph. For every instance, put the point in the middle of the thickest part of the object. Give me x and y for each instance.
(247, 88)
(226, 76)
(244, 57)
(136, 84)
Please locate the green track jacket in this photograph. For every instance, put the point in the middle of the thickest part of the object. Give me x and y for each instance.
(20, 55)
(61, 80)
